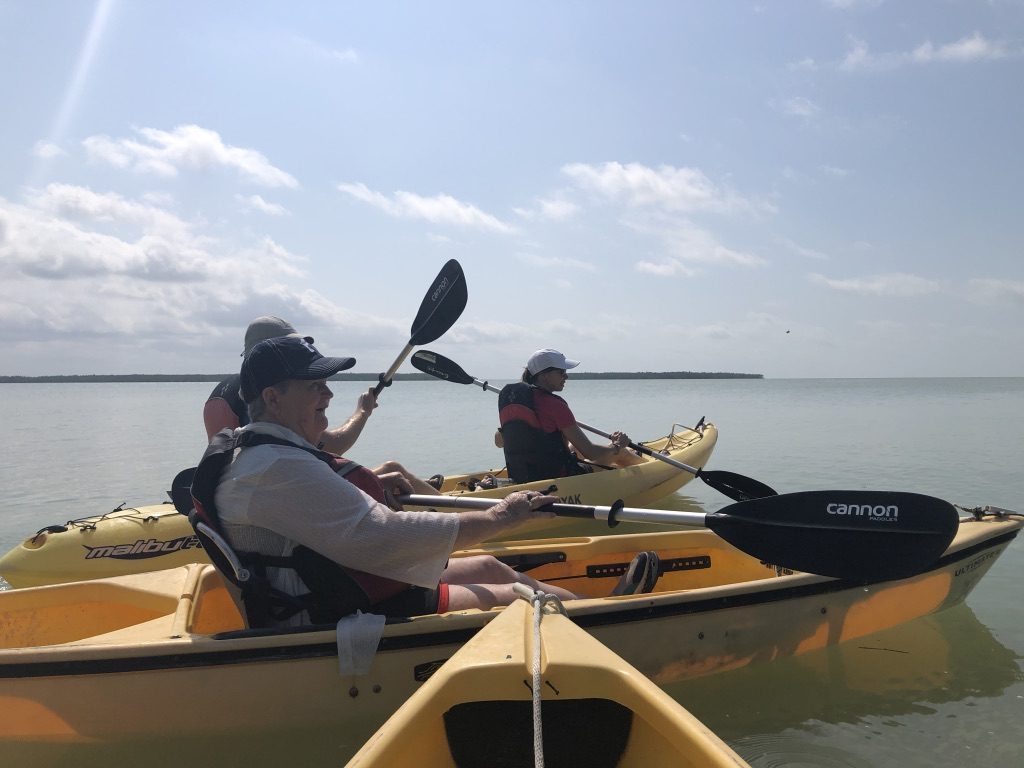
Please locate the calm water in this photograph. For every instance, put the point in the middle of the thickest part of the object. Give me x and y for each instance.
(78, 449)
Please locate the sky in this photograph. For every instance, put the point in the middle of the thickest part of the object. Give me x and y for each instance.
(827, 188)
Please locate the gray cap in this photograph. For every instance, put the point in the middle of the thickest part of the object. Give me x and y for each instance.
(266, 327)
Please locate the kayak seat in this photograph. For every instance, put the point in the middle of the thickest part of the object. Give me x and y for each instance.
(498, 734)
(226, 562)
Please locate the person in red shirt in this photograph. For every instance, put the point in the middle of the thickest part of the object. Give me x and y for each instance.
(539, 433)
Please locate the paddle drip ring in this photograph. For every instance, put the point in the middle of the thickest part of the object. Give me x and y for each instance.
(613, 512)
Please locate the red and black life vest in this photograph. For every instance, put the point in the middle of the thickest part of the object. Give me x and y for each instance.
(530, 452)
(334, 590)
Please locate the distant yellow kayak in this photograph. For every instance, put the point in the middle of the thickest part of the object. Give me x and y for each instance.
(155, 537)
(595, 708)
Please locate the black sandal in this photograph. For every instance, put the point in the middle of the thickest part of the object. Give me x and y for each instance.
(634, 576)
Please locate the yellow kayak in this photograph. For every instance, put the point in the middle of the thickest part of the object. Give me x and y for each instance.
(595, 709)
(155, 537)
(162, 660)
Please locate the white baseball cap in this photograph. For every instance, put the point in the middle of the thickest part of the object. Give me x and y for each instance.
(549, 358)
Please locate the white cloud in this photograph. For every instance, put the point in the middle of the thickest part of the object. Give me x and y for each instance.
(972, 48)
(440, 209)
(892, 284)
(859, 58)
(690, 243)
(988, 290)
(535, 260)
(845, 5)
(188, 147)
(550, 209)
(666, 267)
(557, 210)
(69, 233)
(667, 187)
(311, 47)
(257, 203)
(808, 253)
(77, 264)
(683, 243)
(800, 106)
(71, 202)
(835, 171)
(47, 150)
(806, 64)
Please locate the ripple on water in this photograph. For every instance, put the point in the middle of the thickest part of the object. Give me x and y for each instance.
(784, 751)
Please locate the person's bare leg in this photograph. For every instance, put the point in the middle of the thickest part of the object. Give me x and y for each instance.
(486, 576)
(418, 486)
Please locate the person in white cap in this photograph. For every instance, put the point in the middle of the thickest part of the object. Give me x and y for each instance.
(225, 409)
(539, 433)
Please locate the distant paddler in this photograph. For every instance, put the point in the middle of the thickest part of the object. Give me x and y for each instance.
(539, 434)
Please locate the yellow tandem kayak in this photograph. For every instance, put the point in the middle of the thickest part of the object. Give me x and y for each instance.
(594, 709)
(161, 661)
(155, 537)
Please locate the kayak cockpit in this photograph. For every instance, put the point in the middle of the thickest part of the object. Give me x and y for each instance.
(140, 607)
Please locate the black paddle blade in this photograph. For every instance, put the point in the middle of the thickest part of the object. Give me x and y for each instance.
(441, 306)
(863, 535)
(736, 487)
(440, 367)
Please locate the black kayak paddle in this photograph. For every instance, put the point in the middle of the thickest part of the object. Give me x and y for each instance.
(861, 535)
(441, 307)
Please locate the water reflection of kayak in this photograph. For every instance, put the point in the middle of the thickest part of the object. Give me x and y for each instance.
(906, 669)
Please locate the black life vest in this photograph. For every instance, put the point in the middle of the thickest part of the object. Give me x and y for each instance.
(227, 390)
(530, 452)
(334, 590)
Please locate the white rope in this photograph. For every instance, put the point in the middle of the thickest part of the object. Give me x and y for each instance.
(538, 600)
(538, 733)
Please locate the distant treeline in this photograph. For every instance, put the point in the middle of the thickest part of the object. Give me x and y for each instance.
(666, 375)
(136, 377)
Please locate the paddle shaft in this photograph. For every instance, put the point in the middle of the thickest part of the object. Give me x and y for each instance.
(615, 512)
(385, 378)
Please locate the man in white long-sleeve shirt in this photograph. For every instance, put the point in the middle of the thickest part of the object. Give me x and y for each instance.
(281, 495)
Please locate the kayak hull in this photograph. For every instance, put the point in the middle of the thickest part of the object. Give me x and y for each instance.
(594, 708)
(120, 661)
(155, 537)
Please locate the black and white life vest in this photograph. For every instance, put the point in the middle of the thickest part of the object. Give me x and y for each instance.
(334, 590)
